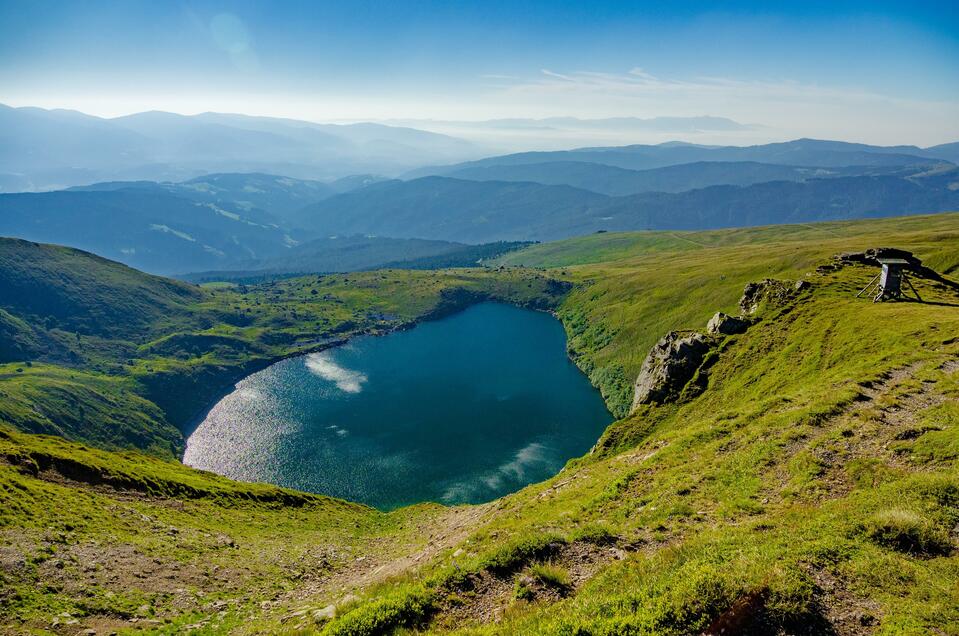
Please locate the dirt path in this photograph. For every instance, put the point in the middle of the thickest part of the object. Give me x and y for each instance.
(873, 427)
(448, 529)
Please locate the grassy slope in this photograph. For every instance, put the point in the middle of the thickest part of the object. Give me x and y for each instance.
(775, 489)
(636, 287)
(774, 484)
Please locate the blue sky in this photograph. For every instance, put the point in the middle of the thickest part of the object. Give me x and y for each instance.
(877, 71)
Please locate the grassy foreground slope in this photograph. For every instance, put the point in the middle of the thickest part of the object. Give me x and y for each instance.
(811, 487)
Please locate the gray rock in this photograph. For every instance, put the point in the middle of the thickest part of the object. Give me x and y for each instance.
(324, 614)
(724, 324)
(670, 365)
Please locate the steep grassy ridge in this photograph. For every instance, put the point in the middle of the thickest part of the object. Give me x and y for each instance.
(644, 284)
(811, 487)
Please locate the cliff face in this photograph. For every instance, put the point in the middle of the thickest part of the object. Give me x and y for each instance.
(670, 365)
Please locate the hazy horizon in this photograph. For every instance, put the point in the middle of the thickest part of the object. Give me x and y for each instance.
(880, 73)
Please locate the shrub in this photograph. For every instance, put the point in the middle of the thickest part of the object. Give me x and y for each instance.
(515, 552)
(406, 607)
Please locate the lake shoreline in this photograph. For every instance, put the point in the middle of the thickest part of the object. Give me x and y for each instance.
(510, 393)
(446, 307)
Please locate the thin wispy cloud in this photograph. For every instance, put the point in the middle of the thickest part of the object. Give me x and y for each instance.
(784, 106)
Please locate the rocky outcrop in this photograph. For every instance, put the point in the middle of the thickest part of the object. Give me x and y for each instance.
(725, 325)
(769, 290)
(670, 365)
(872, 256)
(680, 357)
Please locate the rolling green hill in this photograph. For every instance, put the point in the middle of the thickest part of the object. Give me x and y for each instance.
(804, 481)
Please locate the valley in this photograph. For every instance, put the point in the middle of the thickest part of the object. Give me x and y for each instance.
(808, 458)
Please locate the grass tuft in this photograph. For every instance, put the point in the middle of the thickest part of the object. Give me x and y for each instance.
(907, 531)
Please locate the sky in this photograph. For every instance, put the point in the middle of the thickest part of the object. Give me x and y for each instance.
(876, 72)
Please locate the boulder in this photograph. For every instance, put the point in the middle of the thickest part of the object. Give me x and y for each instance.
(726, 325)
(670, 365)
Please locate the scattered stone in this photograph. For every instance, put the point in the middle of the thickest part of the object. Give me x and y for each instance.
(724, 324)
(459, 552)
(802, 285)
(670, 365)
(768, 290)
(324, 614)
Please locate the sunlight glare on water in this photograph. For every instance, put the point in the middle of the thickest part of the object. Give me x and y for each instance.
(463, 409)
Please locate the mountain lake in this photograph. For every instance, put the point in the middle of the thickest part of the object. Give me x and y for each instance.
(463, 409)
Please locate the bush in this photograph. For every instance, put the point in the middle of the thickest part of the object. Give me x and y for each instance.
(402, 608)
(907, 531)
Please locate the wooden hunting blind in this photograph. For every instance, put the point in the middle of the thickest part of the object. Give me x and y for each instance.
(889, 281)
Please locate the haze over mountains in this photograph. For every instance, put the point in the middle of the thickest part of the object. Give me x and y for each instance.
(283, 196)
(49, 149)
(562, 133)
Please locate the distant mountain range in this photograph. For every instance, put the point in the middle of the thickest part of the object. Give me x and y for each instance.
(483, 211)
(238, 222)
(51, 149)
(801, 152)
(254, 196)
(257, 222)
(560, 133)
(661, 124)
(676, 178)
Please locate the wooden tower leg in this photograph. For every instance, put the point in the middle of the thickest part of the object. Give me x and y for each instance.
(909, 282)
(874, 279)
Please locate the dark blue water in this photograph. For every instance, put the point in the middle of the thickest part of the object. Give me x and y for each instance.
(463, 409)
